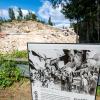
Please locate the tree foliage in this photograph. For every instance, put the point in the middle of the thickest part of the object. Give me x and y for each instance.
(30, 16)
(41, 21)
(1, 20)
(9, 72)
(50, 22)
(11, 14)
(86, 14)
(34, 17)
(20, 16)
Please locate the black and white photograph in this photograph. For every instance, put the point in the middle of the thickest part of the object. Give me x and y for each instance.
(65, 67)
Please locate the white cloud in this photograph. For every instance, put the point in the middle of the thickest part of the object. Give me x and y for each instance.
(57, 17)
(4, 12)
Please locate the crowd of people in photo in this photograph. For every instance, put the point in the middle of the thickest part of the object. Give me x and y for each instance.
(74, 74)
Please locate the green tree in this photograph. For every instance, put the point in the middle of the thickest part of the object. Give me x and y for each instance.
(86, 14)
(1, 20)
(20, 17)
(41, 21)
(11, 14)
(50, 22)
(28, 16)
(34, 17)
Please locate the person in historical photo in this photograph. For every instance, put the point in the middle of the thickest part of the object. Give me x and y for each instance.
(72, 71)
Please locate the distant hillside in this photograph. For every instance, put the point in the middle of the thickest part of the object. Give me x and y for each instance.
(15, 35)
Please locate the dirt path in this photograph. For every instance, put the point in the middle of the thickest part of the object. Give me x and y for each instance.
(98, 98)
(17, 92)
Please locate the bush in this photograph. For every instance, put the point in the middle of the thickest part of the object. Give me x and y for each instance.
(19, 54)
(9, 73)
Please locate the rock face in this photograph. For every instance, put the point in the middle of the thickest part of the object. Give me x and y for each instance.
(19, 33)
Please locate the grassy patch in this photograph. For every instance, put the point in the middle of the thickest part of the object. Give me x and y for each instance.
(19, 54)
(16, 54)
(98, 91)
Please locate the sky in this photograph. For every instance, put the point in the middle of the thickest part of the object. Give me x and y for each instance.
(42, 8)
(24, 4)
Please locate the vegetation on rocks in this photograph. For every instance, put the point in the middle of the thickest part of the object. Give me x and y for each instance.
(20, 54)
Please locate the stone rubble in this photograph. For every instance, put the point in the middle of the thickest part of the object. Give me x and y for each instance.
(19, 33)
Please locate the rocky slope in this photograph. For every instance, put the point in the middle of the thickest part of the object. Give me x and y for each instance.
(15, 35)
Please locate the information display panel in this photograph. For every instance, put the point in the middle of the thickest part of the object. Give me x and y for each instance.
(64, 71)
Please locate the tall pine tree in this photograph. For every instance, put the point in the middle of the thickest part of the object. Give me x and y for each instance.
(20, 16)
(49, 21)
(11, 14)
